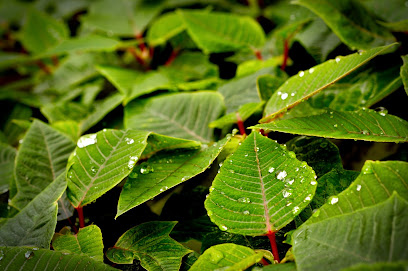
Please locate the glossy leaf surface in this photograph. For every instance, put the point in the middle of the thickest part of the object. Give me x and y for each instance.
(308, 83)
(261, 187)
(87, 242)
(228, 257)
(151, 245)
(101, 161)
(374, 234)
(365, 124)
(163, 171)
(34, 225)
(351, 22)
(42, 157)
(376, 183)
(184, 115)
(33, 258)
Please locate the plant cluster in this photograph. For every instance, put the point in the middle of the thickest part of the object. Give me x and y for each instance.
(203, 135)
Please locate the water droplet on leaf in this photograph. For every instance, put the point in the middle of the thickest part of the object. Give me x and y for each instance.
(311, 70)
(313, 182)
(301, 73)
(29, 254)
(281, 174)
(295, 210)
(86, 140)
(132, 161)
(244, 200)
(284, 96)
(129, 141)
(246, 212)
(146, 169)
(333, 200)
(338, 59)
(358, 187)
(223, 227)
(286, 194)
(271, 169)
(164, 188)
(382, 111)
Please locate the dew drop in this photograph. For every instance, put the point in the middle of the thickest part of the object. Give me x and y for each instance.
(311, 70)
(284, 96)
(289, 204)
(301, 73)
(382, 111)
(132, 161)
(297, 169)
(295, 210)
(1, 255)
(164, 188)
(313, 182)
(290, 182)
(86, 140)
(292, 94)
(211, 189)
(210, 213)
(292, 154)
(216, 255)
(223, 227)
(246, 212)
(29, 254)
(271, 169)
(286, 194)
(129, 141)
(308, 198)
(232, 171)
(335, 125)
(257, 149)
(246, 155)
(333, 200)
(365, 132)
(316, 212)
(244, 200)
(338, 59)
(146, 169)
(281, 174)
(358, 187)
(93, 170)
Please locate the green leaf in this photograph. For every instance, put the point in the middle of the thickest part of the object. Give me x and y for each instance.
(42, 157)
(7, 156)
(87, 242)
(351, 22)
(12, 131)
(370, 235)
(280, 267)
(365, 124)
(151, 245)
(260, 188)
(376, 183)
(183, 115)
(41, 32)
(228, 257)
(254, 65)
(267, 85)
(392, 11)
(163, 171)
(217, 32)
(101, 161)
(243, 113)
(122, 18)
(34, 225)
(32, 258)
(308, 83)
(69, 128)
(64, 111)
(164, 28)
(389, 266)
(404, 73)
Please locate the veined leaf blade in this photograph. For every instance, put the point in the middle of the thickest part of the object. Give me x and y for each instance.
(365, 124)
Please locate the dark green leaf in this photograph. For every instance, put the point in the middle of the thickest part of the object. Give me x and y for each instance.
(7, 156)
(389, 266)
(151, 245)
(261, 187)
(404, 73)
(267, 85)
(374, 234)
(365, 124)
(12, 131)
(243, 113)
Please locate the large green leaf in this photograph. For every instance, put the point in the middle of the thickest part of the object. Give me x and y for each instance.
(41, 32)
(184, 115)
(351, 22)
(164, 28)
(33, 258)
(261, 187)
(365, 124)
(42, 157)
(229, 257)
(101, 161)
(163, 171)
(370, 235)
(308, 83)
(389, 266)
(222, 32)
(87, 242)
(34, 225)
(7, 156)
(124, 18)
(375, 184)
(243, 113)
(404, 73)
(151, 245)
(12, 131)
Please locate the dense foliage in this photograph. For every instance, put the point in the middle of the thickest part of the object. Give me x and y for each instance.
(204, 135)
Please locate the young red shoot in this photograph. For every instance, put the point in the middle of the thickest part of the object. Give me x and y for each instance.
(285, 54)
(241, 126)
(81, 217)
(272, 240)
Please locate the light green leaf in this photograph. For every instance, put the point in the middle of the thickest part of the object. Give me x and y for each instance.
(33, 258)
(261, 187)
(229, 257)
(183, 115)
(87, 242)
(34, 225)
(42, 157)
(123, 18)
(41, 32)
(243, 90)
(7, 156)
(251, 66)
(404, 73)
(151, 245)
(101, 161)
(374, 234)
(389, 266)
(351, 22)
(308, 83)
(280, 267)
(69, 128)
(365, 124)
(244, 113)
(222, 32)
(164, 28)
(84, 44)
(376, 183)
(163, 171)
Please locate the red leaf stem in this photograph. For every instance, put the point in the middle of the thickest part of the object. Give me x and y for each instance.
(241, 126)
(81, 217)
(272, 240)
(285, 54)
